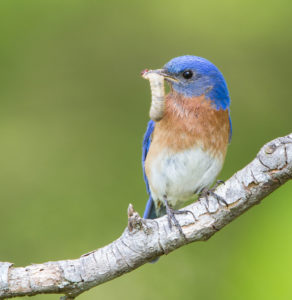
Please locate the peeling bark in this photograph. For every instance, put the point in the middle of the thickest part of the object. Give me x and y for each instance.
(143, 240)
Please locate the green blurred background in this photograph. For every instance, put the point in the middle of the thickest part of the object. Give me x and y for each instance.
(73, 110)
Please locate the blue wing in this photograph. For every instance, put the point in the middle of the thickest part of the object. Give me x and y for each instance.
(149, 212)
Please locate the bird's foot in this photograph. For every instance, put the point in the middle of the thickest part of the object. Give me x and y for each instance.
(172, 219)
(205, 193)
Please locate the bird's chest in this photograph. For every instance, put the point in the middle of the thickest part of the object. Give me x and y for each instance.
(187, 150)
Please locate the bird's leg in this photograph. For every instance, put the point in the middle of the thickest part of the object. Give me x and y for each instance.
(171, 216)
(205, 193)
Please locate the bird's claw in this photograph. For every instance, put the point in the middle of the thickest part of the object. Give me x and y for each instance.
(172, 219)
(217, 183)
(205, 193)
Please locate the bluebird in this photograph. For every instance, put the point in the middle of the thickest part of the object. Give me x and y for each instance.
(184, 151)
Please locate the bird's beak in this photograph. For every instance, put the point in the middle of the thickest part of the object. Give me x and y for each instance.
(167, 76)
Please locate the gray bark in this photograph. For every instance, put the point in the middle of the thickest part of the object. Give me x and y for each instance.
(143, 240)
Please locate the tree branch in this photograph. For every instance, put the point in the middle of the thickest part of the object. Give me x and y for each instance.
(144, 240)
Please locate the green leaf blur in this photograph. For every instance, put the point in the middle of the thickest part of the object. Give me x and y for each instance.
(73, 110)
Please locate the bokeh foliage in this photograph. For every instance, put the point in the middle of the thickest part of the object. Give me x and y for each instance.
(73, 110)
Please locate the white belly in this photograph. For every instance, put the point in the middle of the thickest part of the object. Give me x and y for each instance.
(180, 175)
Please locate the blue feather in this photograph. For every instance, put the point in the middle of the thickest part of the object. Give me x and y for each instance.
(149, 212)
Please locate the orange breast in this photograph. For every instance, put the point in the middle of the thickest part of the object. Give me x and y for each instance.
(188, 122)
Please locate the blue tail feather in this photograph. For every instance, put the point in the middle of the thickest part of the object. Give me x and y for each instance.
(150, 212)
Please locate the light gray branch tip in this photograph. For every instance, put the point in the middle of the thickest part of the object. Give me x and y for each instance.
(134, 219)
(143, 240)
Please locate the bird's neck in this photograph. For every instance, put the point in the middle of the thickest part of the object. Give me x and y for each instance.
(186, 107)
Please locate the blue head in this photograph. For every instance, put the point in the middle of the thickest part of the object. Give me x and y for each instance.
(194, 76)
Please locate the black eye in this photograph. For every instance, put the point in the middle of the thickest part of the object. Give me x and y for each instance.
(187, 74)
